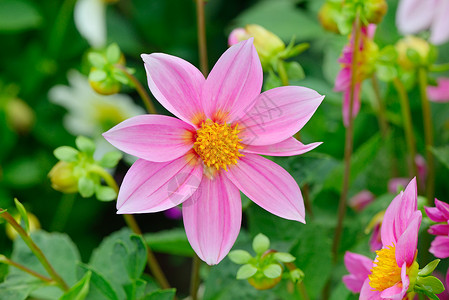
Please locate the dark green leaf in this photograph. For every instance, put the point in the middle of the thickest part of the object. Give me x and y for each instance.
(172, 241)
(80, 290)
(17, 15)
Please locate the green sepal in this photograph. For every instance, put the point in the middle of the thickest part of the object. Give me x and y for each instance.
(272, 271)
(120, 76)
(66, 153)
(110, 159)
(97, 60)
(283, 257)
(105, 193)
(294, 71)
(261, 243)
(86, 187)
(296, 275)
(80, 290)
(428, 269)
(85, 145)
(97, 75)
(239, 256)
(246, 271)
(430, 284)
(113, 53)
(23, 214)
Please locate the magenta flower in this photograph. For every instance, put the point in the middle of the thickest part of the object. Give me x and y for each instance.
(414, 16)
(212, 151)
(439, 93)
(343, 80)
(359, 267)
(439, 214)
(395, 266)
(360, 200)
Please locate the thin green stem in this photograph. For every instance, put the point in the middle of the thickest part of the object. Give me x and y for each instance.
(202, 44)
(408, 127)
(428, 135)
(7, 261)
(134, 226)
(383, 124)
(439, 68)
(195, 280)
(63, 212)
(282, 73)
(35, 249)
(348, 142)
(140, 89)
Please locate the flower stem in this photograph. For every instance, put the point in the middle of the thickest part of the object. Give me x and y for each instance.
(132, 224)
(35, 249)
(202, 45)
(62, 212)
(140, 89)
(428, 135)
(408, 127)
(282, 73)
(439, 68)
(7, 261)
(195, 280)
(348, 141)
(383, 124)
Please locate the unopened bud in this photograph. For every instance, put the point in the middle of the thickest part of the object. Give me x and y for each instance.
(20, 116)
(361, 200)
(327, 16)
(264, 283)
(62, 177)
(33, 223)
(104, 86)
(375, 10)
(412, 52)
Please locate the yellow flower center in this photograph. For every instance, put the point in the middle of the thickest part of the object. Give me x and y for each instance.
(386, 273)
(217, 144)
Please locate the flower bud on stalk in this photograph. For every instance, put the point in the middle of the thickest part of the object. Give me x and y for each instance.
(413, 52)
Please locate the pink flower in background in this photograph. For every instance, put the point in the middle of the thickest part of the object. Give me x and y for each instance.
(359, 201)
(375, 226)
(396, 184)
(439, 93)
(212, 151)
(439, 214)
(174, 213)
(414, 16)
(343, 80)
(359, 267)
(395, 262)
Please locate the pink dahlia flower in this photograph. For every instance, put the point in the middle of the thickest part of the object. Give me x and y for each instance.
(212, 151)
(343, 80)
(395, 263)
(439, 93)
(439, 214)
(414, 16)
(359, 267)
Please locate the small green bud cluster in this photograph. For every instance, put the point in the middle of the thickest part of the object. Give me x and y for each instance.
(78, 171)
(424, 283)
(107, 72)
(266, 269)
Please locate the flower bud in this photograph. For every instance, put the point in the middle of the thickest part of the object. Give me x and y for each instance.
(375, 10)
(327, 16)
(267, 44)
(412, 52)
(62, 177)
(20, 116)
(264, 283)
(104, 86)
(361, 200)
(33, 222)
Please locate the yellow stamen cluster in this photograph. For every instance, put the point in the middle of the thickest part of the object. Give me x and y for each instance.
(217, 144)
(386, 273)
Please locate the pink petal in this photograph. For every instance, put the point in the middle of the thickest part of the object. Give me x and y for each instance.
(388, 234)
(409, 203)
(290, 146)
(353, 283)
(347, 102)
(367, 293)
(358, 265)
(152, 137)
(152, 187)
(237, 35)
(375, 242)
(413, 16)
(343, 79)
(212, 218)
(399, 290)
(269, 186)
(440, 229)
(176, 84)
(408, 241)
(278, 114)
(234, 83)
(440, 25)
(439, 93)
(435, 214)
(443, 207)
(440, 247)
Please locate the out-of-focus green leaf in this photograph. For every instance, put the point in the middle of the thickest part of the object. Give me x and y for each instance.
(161, 295)
(442, 154)
(172, 241)
(18, 15)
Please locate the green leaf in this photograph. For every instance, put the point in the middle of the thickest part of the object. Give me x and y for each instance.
(80, 290)
(18, 288)
(246, 271)
(442, 154)
(86, 187)
(120, 76)
(110, 159)
(272, 271)
(430, 284)
(173, 241)
(261, 243)
(23, 214)
(96, 59)
(66, 153)
(239, 256)
(18, 15)
(161, 295)
(113, 53)
(428, 269)
(284, 257)
(100, 283)
(137, 256)
(105, 193)
(85, 144)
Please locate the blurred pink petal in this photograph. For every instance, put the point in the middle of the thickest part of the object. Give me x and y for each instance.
(440, 247)
(152, 137)
(439, 229)
(396, 184)
(367, 292)
(290, 146)
(212, 218)
(413, 16)
(360, 200)
(174, 213)
(375, 241)
(440, 25)
(359, 267)
(237, 35)
(439, 93)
